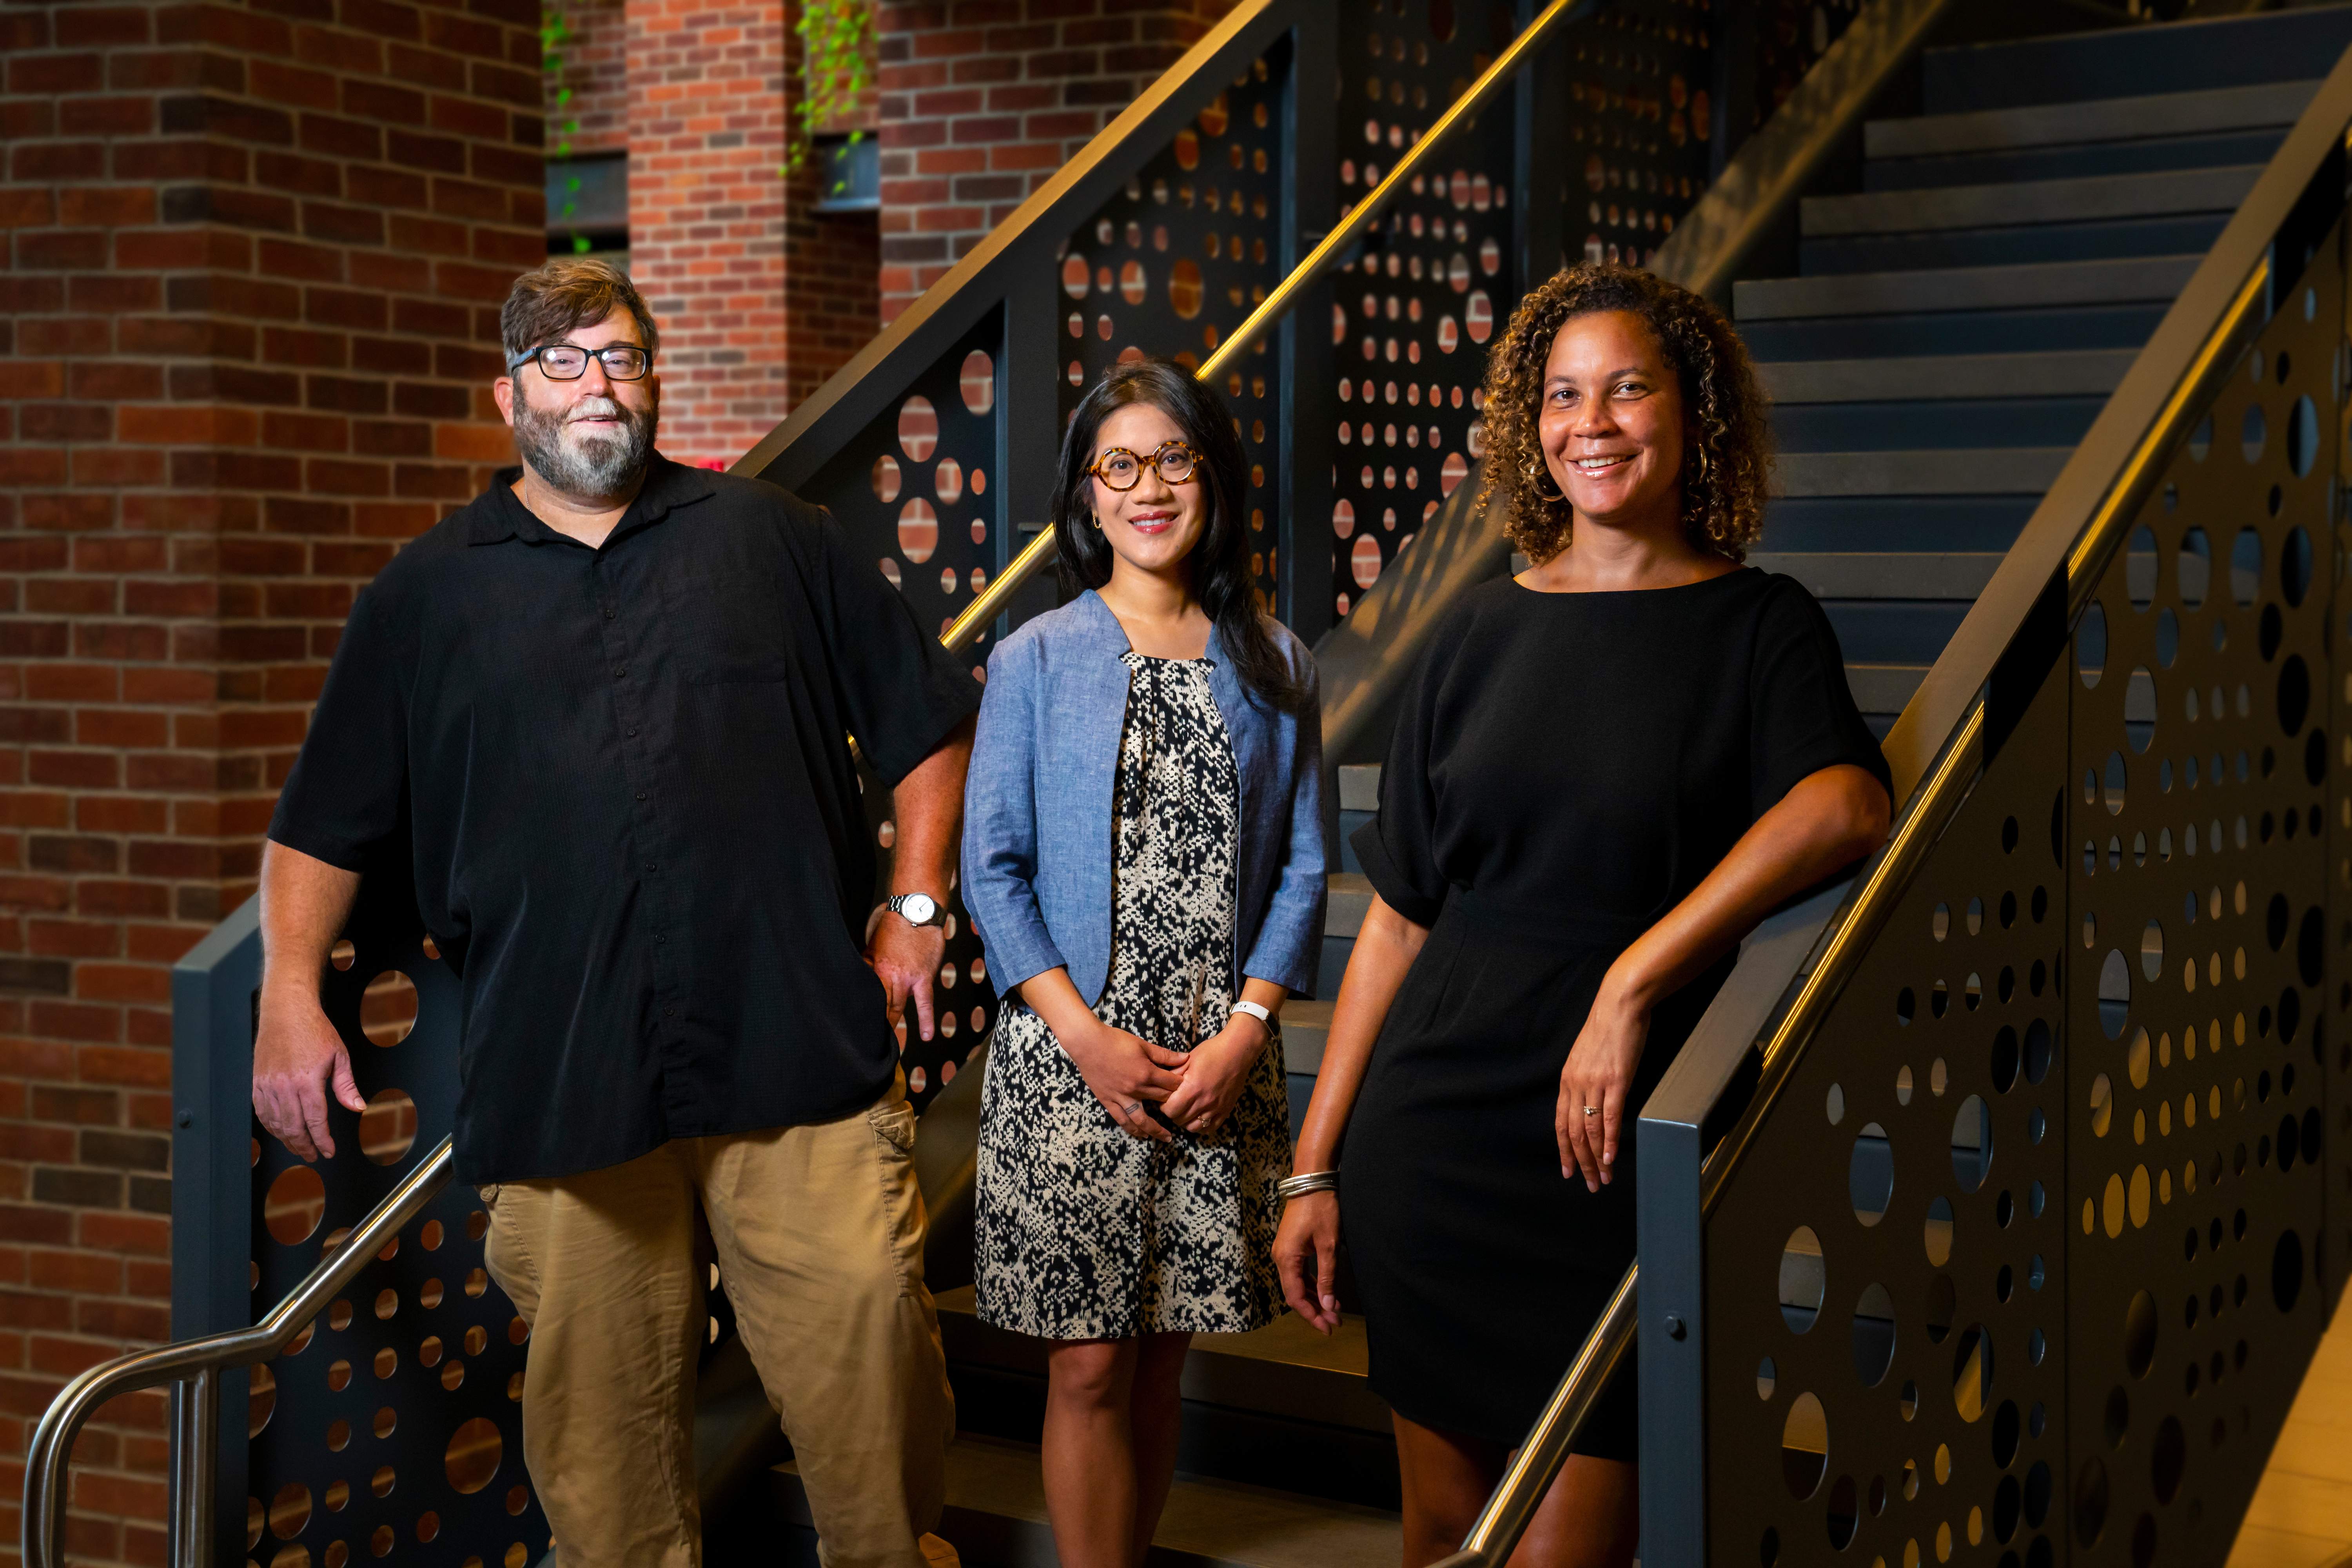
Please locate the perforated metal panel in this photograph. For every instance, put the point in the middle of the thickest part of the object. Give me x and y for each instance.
(394, 1428)
(1887, 1277)
(1433, 282)
(2197, 870)
(920, 491)
(1639, 128)
(1790, 35)
(2079, 1090)
(1180, 256)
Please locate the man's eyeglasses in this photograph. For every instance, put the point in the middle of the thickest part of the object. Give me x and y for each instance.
(1123, 470)
(564, 362)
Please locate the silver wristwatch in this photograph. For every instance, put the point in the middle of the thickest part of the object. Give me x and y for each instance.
(918, 909)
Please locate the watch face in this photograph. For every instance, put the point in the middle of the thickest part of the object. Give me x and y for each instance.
(918, 908)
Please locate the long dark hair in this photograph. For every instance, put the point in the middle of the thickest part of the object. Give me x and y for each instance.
(1222, 579)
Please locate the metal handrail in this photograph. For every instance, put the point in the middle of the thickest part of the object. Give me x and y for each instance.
(194, 1368)
(1039, 552)
(2230, 301)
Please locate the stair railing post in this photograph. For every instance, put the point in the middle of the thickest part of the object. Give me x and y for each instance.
(195, 1436)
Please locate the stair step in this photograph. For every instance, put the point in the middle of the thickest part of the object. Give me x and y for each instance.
(1860, 524)
(2093, 160)
(1978, 421)
(1884, 688)
(2067, 372)
(2031, 202)
(2008, 470)
(1350, 898)
(995, 1518)
(1954, 332)
(2153, 115)
(1889, 574)
(2134, 61)
(2039, 284)
(1306, 1026)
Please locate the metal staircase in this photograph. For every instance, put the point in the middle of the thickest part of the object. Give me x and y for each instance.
(2057, 355)
(1956, 324)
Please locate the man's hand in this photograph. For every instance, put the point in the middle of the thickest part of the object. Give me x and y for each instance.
(297, 1054)
(907, 959)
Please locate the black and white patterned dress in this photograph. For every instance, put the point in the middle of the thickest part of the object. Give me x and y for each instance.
(1082, 1230)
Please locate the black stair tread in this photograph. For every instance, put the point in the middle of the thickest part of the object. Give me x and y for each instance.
(1862, 523)
(1957, 331)
(2005, 470)
(2031, 202)
(1882, 575)
(1306, 1026)
(1934, 378)
(1350, 899)
(2117, 62)
(1285, 1369)
(2031, 285)
(2152, 115)
(1884, 688)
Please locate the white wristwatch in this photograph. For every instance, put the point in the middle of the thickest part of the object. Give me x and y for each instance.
(1256, 1011)
(918, 910)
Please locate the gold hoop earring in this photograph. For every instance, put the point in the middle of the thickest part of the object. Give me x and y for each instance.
(1536, 473)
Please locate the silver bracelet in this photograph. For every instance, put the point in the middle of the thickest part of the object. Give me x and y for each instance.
(1311, 1181)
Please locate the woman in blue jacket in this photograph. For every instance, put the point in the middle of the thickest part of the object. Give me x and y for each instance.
(1143, 858)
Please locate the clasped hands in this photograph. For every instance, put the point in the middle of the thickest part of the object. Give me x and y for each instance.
(1195, 1091)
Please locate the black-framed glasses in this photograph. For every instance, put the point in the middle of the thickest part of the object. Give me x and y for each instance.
(569, 361)
(1123, 470)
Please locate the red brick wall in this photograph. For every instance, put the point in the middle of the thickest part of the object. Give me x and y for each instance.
(255, 252)
(983, 100)
(593, 64)
(759, 298)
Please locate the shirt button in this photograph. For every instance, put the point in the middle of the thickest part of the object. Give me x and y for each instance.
(641, 794)
(610, 612)
(650, 866)
(660, 937)
(669, 1012)
(619, 670)
(632, 728)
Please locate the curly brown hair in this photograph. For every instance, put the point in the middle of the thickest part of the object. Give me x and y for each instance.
(1726, 453)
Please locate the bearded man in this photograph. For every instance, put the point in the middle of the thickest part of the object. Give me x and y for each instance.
(603, 713)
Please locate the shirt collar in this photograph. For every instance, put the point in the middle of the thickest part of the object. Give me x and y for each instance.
(500, 514)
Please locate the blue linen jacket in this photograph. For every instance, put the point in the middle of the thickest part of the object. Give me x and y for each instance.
(1038, 836)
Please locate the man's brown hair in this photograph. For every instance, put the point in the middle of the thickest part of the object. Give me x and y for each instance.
(551, 300)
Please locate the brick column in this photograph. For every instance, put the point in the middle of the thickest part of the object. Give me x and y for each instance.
(255, 258)
(983, 100)
(758, 297)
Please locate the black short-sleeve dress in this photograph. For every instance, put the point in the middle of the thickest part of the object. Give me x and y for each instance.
(1566, 768)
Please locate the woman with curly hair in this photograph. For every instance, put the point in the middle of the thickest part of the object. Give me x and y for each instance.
(1604, 772)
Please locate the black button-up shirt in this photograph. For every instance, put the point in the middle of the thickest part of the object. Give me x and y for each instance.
(626, 791)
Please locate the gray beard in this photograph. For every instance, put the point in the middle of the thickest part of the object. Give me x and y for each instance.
(591, 467)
